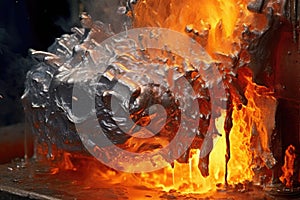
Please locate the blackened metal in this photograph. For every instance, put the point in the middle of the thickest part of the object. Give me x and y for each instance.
(256, 6)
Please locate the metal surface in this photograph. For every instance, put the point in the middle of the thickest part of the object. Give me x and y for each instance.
(17, 193)
(34, 181)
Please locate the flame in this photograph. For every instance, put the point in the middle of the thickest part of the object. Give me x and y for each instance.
(288, 167)
(252, 128)
(218, 26)
(215, 24)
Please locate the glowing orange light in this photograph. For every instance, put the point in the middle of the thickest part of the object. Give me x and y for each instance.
(288, 167)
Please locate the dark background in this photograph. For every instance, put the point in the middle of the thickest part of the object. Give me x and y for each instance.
(23, 25)
(35, 24)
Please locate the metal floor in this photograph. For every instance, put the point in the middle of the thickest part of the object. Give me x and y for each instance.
(35, 182)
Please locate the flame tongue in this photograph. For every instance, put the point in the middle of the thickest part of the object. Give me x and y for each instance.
(288, 167)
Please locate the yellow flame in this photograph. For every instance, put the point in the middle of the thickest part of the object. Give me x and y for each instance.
(187, 178)
(222, 20)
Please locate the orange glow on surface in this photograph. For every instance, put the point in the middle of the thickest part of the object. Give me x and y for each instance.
(66, 163)
(251, 125)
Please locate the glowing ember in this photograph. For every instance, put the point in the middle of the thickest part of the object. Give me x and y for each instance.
(288, 167)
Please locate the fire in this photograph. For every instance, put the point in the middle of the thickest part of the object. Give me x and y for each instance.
(288, 167)
(218, 26)
(187, 178)
(215, 24)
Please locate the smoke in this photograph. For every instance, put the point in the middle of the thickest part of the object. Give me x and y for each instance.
(107, 12)
(35, 24)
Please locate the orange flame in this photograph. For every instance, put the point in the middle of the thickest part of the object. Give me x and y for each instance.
(215, 24)
(187, 178)
(218, 26)
(288, 167)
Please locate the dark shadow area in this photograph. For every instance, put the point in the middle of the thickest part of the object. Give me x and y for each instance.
(23, 25)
